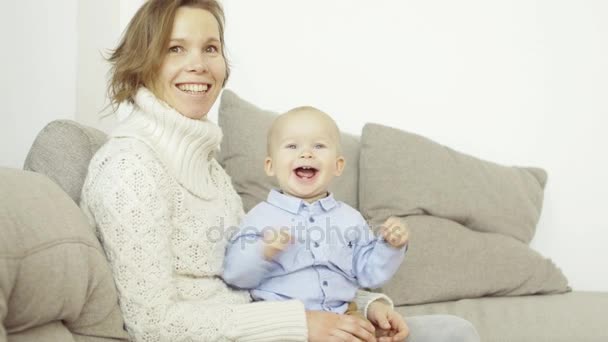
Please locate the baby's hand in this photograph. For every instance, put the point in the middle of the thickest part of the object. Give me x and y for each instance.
(276, 242)
(395, 232)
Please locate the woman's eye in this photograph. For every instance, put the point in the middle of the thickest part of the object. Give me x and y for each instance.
(176, 49)
(212, 49)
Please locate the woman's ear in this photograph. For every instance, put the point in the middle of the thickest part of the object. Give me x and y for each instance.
(340, 163)
(268, 167)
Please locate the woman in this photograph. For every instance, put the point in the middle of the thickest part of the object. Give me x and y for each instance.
(154, 189)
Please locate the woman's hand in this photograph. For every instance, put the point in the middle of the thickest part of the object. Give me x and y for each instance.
(390, 325)
(327, 326)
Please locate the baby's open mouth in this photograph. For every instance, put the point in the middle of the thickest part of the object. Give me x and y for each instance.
(305, 172)
(193, 88)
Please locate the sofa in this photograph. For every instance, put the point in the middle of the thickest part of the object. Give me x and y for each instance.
(471, 222)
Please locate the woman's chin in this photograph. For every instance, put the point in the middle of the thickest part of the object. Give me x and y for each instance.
(194, 114)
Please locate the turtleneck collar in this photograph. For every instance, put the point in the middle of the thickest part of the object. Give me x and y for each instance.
(184, 145)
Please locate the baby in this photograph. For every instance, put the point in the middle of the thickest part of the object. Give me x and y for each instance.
(302, 243)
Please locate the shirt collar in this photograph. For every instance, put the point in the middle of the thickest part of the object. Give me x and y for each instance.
(294, 204)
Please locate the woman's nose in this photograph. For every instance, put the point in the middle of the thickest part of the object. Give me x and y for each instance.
(197, 63)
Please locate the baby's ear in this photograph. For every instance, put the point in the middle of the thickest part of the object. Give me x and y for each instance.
(268, 167)
(340, 163)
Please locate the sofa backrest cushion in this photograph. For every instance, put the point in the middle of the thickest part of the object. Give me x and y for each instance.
(406, 174)
(243, 150)
(470, 219)
(447, 261)
(62, 151)
(52, 267)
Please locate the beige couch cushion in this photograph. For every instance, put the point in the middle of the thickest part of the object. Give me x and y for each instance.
(447, 261)
(575, 316)
(406, 174)
(243, 150)
(52, 267)
(470, 219)
(53, 331)
(62, 151)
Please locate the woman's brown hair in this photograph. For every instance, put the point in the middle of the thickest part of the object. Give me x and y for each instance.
(142, 48)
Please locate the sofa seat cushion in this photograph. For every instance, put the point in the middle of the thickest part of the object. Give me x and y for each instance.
(52, 267)
(574, 316)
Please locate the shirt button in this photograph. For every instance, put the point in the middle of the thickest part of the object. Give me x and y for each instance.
(325, 283)
(311, 219)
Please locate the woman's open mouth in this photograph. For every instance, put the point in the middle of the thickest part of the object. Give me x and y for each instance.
(305, 172)
(194, 88)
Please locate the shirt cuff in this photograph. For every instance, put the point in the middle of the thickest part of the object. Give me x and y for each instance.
(365, 298)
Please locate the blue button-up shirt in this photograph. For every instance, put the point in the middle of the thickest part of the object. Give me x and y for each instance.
(333, 253)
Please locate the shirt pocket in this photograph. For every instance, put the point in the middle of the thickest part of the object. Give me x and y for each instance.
(341, 256)
(293, 258)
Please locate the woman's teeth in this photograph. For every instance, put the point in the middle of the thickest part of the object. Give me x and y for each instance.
(193, 88)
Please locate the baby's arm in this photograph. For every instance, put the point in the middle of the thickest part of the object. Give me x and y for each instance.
(375, 261)
(245, 264)
(249, 255)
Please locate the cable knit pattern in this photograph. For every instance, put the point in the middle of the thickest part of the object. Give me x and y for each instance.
(164, 210)
(184, 145)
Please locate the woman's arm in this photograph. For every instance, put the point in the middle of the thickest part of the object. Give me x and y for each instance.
(128, 196)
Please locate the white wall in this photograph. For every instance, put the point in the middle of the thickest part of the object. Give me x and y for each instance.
(516, 82)
(52, 66)
(96, 37)
(37, 70)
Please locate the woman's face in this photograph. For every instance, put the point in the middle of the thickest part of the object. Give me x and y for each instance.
(193, 70)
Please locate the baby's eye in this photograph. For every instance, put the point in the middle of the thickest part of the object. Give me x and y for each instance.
(319, 146)
(176, 49)
(290, 146)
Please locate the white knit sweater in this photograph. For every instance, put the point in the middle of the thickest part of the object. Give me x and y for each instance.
(163, 209)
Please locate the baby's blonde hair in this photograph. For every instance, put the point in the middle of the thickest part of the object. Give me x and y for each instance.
(299, 111)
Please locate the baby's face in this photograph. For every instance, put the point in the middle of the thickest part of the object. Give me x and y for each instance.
(304, 155)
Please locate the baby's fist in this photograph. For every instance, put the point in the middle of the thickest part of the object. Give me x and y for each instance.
(276, 242)
(395, 232)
